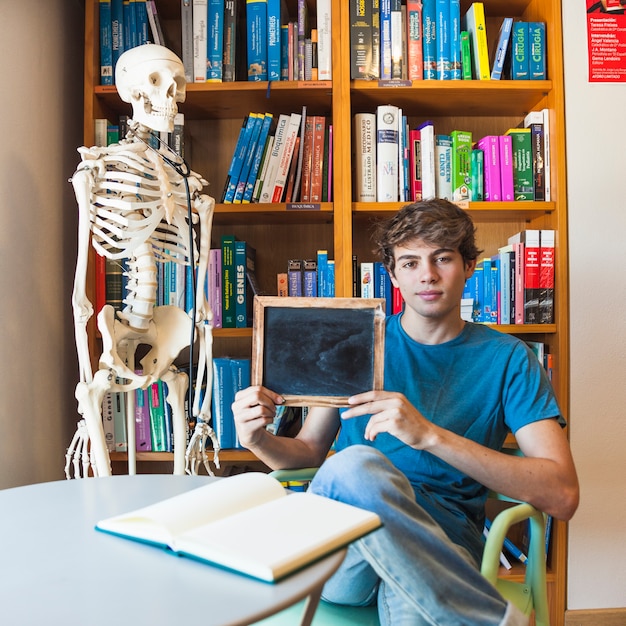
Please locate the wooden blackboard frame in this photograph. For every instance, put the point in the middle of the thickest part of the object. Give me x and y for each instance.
(318, 351)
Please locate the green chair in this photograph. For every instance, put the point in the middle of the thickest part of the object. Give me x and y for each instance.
(527, 596)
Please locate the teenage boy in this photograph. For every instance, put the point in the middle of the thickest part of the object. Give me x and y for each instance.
(424, 452)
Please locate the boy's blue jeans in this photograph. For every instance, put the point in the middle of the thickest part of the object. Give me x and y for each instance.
(409, 566)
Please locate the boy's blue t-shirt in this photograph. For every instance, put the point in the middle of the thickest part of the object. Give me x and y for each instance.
(479, 385)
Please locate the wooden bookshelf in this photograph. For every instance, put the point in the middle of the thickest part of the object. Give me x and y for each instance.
(213, 117)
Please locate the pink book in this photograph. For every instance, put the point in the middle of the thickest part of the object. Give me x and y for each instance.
(490, 146)
(415, 164)
(506, 168)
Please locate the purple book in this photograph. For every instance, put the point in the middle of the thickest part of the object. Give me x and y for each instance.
(506, 168)
(490, 146)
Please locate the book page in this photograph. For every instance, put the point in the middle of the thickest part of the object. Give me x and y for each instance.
(278, 537)
(161, 522)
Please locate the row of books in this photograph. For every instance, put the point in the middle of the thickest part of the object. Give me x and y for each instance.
(277, 45)
(432, 40)
(125, 24)
(153, 420)
(309, 278)
(516, 285)
(287, 159)
(394, 162)
(373, 281)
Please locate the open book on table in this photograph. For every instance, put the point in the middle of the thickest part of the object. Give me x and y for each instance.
(248, 523)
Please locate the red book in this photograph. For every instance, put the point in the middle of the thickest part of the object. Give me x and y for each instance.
(530, 239)
(397, 300)
(305, 193)
(546, 276)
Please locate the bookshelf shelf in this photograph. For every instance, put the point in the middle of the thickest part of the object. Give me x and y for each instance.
(280, 232)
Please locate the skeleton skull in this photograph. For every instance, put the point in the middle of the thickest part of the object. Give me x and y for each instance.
(152, 79)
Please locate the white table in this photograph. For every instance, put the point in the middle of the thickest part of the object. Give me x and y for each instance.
(56, 569)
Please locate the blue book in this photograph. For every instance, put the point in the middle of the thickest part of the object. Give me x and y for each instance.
(221, 401)
(141, 22)
(487, 290)
(258, 155)
(501, 48)
(239, 156)
(520, 65)
(215, 41)
(294, 277)
(309, 278)
(106, 45)
(456, 67)
(256, 23)
(442, 40)
(284, 52)
(385, 39)
(249, 158)
(322, 273)
(130, 24)
(329, 289)
(429, 39)
(496, 292)
(478, 291)
(117, 30)
(241, 369)
(273, 40)
(537, 45)
(382, 286)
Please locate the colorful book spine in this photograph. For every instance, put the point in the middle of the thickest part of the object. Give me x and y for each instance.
(385, 39)
(387, 153)
(294, 277)
(415, 164)
(215, 41)
(382, 286)
(461, 164)
(245, 260)
(228, 281)
(456, 70)
(477, 191)
(443, 160)
(506, 168)
(475, 25)
(442, 39)
(546, 276)
(520, 51)
(540, 154)
(117, 30)
(501, 49)
(143, 442)
(157, 417)
(361, 61)
(274, 157)
(258, 156)
(286, 156)
(491, 167)
(317, 157)
(429, 39)
(237, 197)
(537, 46)
(304, 33)
(106, 45)
(365, 157)
(309, 278)
(466, 55)
(415, 58)
(221, 401)
(523, 186)
(367, 279)
(398, 59)
(256, 23)
(238, 158)
(273, 39)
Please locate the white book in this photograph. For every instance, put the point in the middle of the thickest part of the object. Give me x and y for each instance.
(367, 279)
(365, 157)
(186, 19)
(387, 153)
(324, 40)
(282, 172)
(443, 165)
(247, 523)
(274, 158)
(427, 144)
(200, 40)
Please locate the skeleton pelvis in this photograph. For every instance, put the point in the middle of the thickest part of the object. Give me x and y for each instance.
(168, 333)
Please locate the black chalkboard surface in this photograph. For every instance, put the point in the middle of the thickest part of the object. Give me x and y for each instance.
(318, 351)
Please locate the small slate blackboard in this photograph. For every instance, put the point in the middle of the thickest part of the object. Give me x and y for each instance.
(318, 351)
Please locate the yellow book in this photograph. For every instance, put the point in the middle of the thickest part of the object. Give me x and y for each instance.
(474, 24)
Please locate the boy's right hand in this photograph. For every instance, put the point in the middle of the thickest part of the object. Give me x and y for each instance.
(253, 409)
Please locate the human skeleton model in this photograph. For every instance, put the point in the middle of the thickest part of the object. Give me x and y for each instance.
(137, 203)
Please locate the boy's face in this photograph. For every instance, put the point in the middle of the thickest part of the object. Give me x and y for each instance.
(431, 279)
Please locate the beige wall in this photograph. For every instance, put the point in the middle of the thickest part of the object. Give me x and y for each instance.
(596, 163)
(40, 126)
